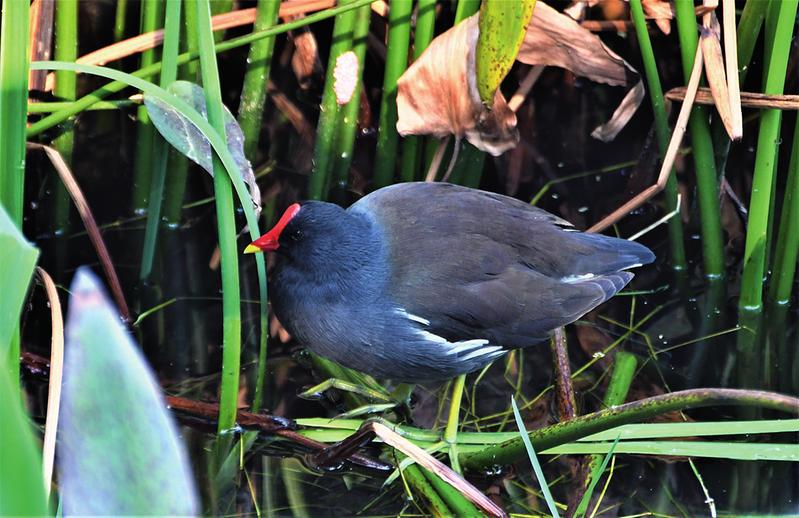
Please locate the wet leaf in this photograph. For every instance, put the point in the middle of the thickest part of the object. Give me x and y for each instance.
(18, 258)
(21, 488)
(502, 28)
(555, 39)
(189, 140)
(119, 450)
(437, 95)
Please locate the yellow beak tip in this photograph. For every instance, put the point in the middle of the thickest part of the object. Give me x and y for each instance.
(251, 249)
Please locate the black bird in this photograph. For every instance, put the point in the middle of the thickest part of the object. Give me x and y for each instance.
(421, 282)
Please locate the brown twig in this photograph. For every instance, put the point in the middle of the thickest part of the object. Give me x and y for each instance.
(269, 424)
(607, 25)
(524, 87)
(671, 153)
(89, 222)
(564, 389)
(748, 99)
(56, 374)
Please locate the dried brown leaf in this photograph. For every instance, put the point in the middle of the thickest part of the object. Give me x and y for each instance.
(661, 11)
(715, 74)
(555, 39)
(438, 95)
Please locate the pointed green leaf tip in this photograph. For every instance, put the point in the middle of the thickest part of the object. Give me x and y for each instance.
(119, 450)
(503, 25)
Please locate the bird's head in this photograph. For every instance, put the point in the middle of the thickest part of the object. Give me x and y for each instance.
(304, 231)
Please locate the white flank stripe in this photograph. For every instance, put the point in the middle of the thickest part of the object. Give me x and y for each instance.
(577, 278)
(411, 316)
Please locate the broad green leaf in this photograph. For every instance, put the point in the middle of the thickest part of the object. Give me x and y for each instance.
(502, 28)
(21, 485)
(187, 138)
(120, 453)
(17, 261)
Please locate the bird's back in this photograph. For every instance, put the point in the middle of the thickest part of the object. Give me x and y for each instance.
(478, 265)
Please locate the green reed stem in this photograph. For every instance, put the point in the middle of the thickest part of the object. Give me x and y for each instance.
(66, 49)
(119, 19)
(453, 421)
(704, 159)
(469, 167)
(465, 9)
(253, 93)
(453, 498)
(192, 45)
(676, 235)
(329, 109)
(88, 100)
(624, 366)
(226, 226)
(54, 106)
(399, 35)
(13, 107)
(152, 18)
(178, 163)
(422, 36)
(765, 159)
(251, 109)
(749, 24)
(779, 29)
(418, 478)
(787, 249)
(169, 72)
(548, 437)
(347, 124)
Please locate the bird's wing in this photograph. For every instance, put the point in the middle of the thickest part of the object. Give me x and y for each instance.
(478, 265)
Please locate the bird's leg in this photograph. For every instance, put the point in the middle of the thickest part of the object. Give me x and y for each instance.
(342, 450)
(451, 431)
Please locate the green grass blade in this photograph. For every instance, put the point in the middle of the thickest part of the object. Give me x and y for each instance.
(711, 450)
(226, 229)
(539, 473)
(596, 474)
(399, 31)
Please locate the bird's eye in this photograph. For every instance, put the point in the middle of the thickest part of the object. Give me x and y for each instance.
(296, 235)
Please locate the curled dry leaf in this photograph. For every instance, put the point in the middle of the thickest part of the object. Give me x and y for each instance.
(438, 95)
(346, 77)
(710, 41)
(661, 11)
(557, 40)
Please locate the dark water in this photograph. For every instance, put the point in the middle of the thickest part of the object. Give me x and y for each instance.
(183, 340)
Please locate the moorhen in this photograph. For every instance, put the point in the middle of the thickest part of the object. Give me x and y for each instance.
(420, 282)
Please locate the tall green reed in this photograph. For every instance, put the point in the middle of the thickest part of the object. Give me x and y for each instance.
(187, 57)
(226, 229)
(329, 109)
(399, 31)
(66, 49)
(347, 124)
(152, 18)
(13, 117)
(423, 33)
(676, 235)
(779, 30)
(160, 155)
(704, 159)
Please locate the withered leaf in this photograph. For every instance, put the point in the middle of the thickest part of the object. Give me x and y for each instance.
(555, 39)
(661, 11)
(438, 95)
